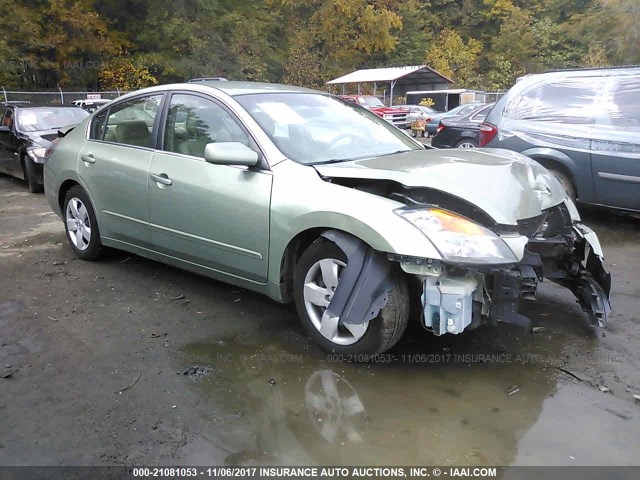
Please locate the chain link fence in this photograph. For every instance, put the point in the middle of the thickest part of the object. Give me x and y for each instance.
(68, 97)
(55, 97)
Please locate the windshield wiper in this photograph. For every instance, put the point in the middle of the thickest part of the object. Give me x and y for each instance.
(393, 153)
(332, 160)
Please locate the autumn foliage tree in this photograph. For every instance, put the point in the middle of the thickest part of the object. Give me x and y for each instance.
(455, 58)
(343, 33)
(478, 43)
(49, 43)
(123, 73)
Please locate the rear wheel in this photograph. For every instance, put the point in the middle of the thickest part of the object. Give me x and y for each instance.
(81, 225)
(316, 278)
(566, 182)
(467, 143)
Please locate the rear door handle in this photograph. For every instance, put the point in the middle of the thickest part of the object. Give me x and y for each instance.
(161, 179)
(89, 158)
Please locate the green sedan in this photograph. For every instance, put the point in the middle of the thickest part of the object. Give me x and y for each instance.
(308, 199)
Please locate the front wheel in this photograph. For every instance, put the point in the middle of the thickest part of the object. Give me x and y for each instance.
(81, 225)
(566, 183)
(30, 176)
(316, 278)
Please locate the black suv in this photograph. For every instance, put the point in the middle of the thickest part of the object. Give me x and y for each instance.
(25, 133)
(583, 125)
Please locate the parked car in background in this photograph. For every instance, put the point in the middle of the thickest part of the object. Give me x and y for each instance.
(418, 112)
(91, 105)
(395, 115)
(460, 132)
(26, 131)
(459, 111)
(308, 199)
(417, 118)
(583, 125)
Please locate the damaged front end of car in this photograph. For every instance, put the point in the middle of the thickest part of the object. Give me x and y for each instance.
(486, 272)
(498, 223)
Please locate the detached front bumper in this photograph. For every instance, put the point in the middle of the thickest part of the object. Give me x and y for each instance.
(456, 298)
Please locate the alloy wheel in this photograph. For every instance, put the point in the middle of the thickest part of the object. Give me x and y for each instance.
(320, 284)
(78, 224)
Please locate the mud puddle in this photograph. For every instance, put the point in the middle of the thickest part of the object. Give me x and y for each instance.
(490, 397)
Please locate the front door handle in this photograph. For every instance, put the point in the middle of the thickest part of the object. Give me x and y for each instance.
(161, 179)
(89, 158)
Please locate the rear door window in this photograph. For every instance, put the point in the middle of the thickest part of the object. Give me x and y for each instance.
(128, 123)
(570, 100)
(620, 105)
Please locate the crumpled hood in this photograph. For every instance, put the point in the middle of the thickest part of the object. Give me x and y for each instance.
(43, 137)
(506, 185)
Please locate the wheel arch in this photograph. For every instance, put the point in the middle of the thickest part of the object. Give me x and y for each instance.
(555, 160)
(294, 250)
(62, 191)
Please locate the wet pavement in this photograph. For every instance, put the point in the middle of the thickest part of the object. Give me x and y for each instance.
(490, 397)
(473, 401)
(128, 361)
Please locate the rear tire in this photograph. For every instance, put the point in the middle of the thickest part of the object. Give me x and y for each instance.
(379, 335)
(566, 183)
(467, 143)
(81, 225)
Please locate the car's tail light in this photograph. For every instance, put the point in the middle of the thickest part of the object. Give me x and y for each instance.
(440, 128)
(487, 133)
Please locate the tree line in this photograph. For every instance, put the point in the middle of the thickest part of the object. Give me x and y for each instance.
(129, 44)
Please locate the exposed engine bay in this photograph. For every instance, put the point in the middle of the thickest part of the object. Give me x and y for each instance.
(457, 296)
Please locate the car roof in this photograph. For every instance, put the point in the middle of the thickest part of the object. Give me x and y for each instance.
(29, 106)
(57, 105)
(233, 88)
(586, 72)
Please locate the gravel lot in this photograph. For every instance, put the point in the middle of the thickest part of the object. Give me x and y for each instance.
(127, 361)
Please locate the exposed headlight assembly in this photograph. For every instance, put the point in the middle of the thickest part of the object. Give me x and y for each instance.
(457, 238)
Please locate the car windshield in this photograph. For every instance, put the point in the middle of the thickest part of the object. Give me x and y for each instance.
(371, 102)
(461, 110)
(315, 128)
(44, 118)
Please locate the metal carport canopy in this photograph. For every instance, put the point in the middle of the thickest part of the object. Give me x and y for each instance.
(393, 75)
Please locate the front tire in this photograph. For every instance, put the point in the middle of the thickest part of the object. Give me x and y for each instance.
(81, 225)
(30, 176)
(315, 279)
(566, 182)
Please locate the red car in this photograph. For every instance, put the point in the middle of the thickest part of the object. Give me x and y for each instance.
(396, 116)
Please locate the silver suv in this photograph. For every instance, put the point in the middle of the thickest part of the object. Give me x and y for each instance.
(583, 125)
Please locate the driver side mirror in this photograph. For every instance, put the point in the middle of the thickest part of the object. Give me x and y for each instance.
(230, 153)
